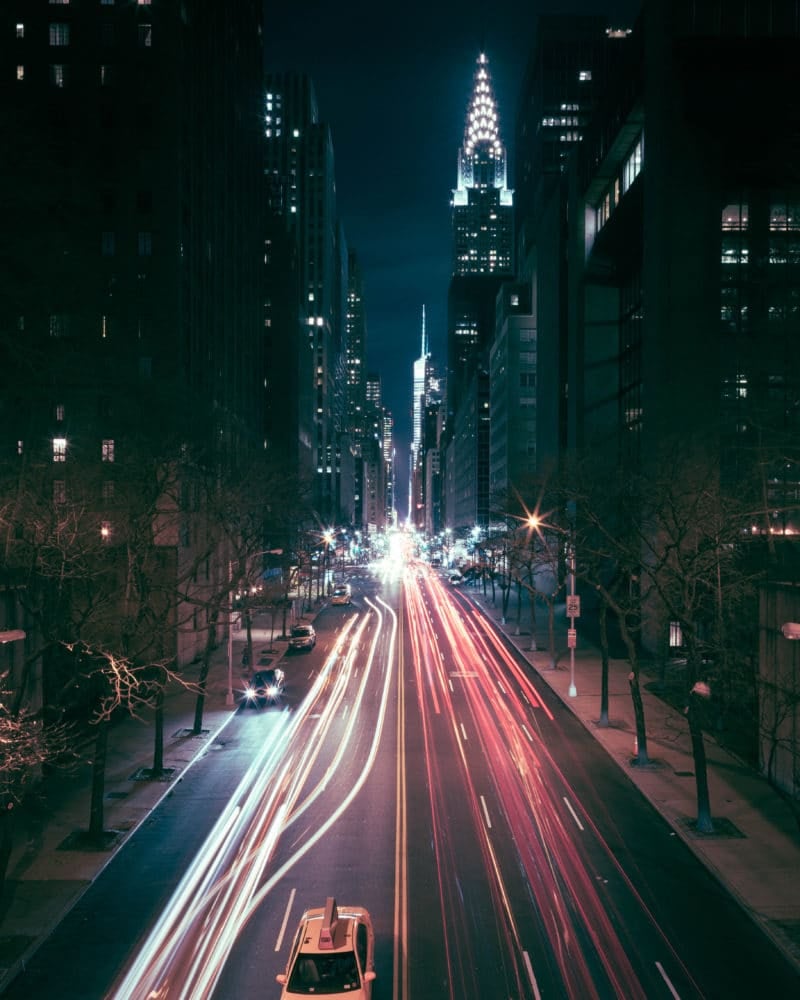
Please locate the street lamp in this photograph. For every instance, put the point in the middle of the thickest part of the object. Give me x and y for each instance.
(573, 601)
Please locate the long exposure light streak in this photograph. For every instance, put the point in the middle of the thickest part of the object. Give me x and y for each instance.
(504, 723)
(186, 950)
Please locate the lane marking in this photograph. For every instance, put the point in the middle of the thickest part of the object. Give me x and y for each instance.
(486, 812)
(531, 976)
(282, 931)
(666, 979)
(463, 730)
(574, 814)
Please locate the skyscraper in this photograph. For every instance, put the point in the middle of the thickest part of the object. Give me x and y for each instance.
(299, 171)
(132, 305)
(425, 393)
(483, 239)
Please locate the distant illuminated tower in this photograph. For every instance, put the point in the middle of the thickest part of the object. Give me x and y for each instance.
(483, 234)
(426, 392)
(483, 240)
(482, 202)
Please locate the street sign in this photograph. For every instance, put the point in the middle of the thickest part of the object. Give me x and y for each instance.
(573, 606)
(572, 638)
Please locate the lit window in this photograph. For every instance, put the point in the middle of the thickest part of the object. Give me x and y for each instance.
(585, 74)
(145, 243)
(108, 450)
(59, 412)
(20, 447)
(59, 3)
(59, 449)
(105, 530)
(59, 34)
(144, 3)
(59, 491)
(58, 325)
(57, 75)
(20, 31)
(20, 72)
(146, 36)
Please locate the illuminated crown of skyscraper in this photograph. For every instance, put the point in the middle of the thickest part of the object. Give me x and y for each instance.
(482, 125)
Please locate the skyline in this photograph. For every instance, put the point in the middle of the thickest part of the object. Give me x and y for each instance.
(394, 91)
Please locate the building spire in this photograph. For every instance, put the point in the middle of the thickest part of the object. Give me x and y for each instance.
(424, 352)
(483, 126)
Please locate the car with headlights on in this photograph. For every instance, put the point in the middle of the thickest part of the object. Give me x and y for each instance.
(302, 636)
(265, 687)
(333, 953)
(341, 594)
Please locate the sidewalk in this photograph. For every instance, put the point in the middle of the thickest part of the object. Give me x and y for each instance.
(49, 869)
(755, 850)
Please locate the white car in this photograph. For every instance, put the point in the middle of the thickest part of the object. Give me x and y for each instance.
(333, 953)
(341, 594)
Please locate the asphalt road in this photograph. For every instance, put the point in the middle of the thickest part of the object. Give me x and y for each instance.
(417, 769)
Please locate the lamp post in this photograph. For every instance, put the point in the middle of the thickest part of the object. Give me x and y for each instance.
(573, 601)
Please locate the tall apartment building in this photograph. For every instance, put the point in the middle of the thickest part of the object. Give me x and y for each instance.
(131, 311)
(299, 164)
(685, 284)
(567, 70)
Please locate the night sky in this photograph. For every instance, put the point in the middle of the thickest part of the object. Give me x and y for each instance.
(393, 82)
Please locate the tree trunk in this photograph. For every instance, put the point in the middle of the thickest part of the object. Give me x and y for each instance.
(248, 618)
(603, 720)
(6, 836)
(158, 752)
(199, 705)
(532, 595)
(96, 813)
(641, 758)
(704, 822)
(519, 609)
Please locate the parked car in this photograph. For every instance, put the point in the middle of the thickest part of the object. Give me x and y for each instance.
(456, 579)
(341, 594)
(265, 688)
(303, 637)
(333, 954)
